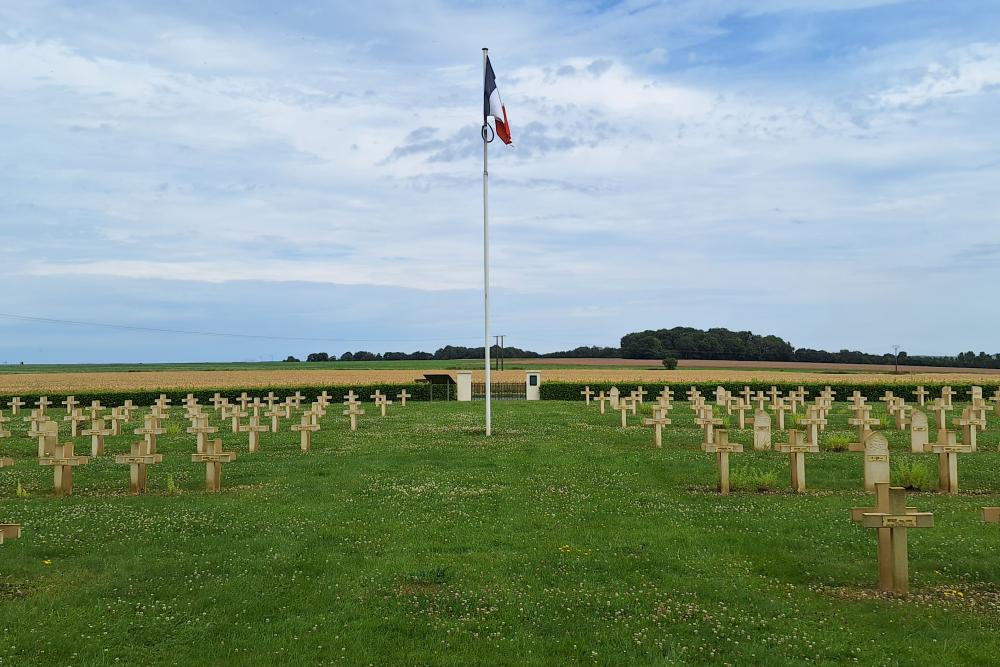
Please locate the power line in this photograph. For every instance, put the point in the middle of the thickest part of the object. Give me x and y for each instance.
(219, 334)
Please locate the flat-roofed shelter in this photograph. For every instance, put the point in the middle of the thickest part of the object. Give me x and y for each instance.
(442, 386)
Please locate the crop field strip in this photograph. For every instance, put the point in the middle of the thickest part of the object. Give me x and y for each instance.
(564, 538)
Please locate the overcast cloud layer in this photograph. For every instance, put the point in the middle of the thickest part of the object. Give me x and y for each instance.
(826, 171)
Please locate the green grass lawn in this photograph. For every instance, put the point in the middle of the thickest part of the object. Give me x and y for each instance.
(416, 540)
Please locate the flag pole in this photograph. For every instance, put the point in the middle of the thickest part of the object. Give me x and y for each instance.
(486, 262)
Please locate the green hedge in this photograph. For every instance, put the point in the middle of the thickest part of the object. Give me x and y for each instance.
(143, 397)
(570, 391)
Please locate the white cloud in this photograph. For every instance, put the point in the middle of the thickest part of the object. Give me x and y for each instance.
(968, 71)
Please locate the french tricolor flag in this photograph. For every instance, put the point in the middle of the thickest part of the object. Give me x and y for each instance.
(493, 106)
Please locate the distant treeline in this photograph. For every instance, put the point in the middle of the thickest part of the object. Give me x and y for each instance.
(683, 343)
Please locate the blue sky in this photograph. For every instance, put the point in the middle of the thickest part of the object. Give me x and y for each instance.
(825, 171)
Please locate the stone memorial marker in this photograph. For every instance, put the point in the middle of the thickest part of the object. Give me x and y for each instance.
(150, 429)
(63, 460)
(201, 429)
(781, 407)
(722, 448)
(217, 401)
(892, 518)
(354, 411)
(995, 399)
(74, 419)
(42, 404)
(163, 403)
(721, 396)
(900, 412)
(940, 409)
(256, 406)
(276, 413)
(587, 393)
(624, 408)
(797, 448)
(970, 423)
(919, 432)
(863, 420)
(48, 436)
(254, 428)
(774, 394)
(403, 395)
(921, 395)
(975, 392)
(95, 410)
(667, 394)
(640, 394)
(97, 431)
(707, 421)
(323, 398)
(747, 394)
(381, 400)
(15, 406)
(351, 397)
(236, 414)
(761, 431)
(70, 403)
(858, 401)
(244, 400)
(948, 448)
(876, 449)
(4, 420)
(947, 393)
(887, 398)
(814, 420)
(213, 460)
(614, 396)
(305, 428)
(10, 531)
(295, 400)
(601, 400)
(657, 421)
(740, 408)
(693, 394)
(138, 461)
(760, 398)
(271, 399)
(991, 514)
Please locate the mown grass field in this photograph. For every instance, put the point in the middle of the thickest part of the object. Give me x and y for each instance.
(563, 539)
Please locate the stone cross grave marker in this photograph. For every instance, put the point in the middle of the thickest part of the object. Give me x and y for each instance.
(995, 399)
(863, 420)
(919, 432)
(201, 429)
(586, 393)
(900, 412)
(722, 448)
(138, 460)
(150, 429)
(948, 448)
(888, 397)
(244, 400)
(876, 449)
(42, 404)
(129, 407)
(316, 411)
(893, 516)
(781, 407)
(761, 431)
(693, 395)
(708, 421)
(381, 400)
(921, 395)
(37, 421)
(190, 401)
(354, 411)
(324, 398)
(970, 423)
(624, 408)
(306, 427)
(657, 421)
(276, 413)
(747, 394)
(213, 459)
(295, 400)
(63, 460)
(236, 413)
(256, 406)
(975, 392)
(10, 531)
(97, 431)
(774, 394)
(640, 394)
(271, 399)
(857, 402)
(797, 448)
(940, 410)
(217, 400)
(814, 420)
(351, 397)
(760, 398)
(15, 404)
(668, 394)
(70, 403)
(117, 417)
(601, 400)
(740, 407)
(75, 418)
(48, 436)
(254, 428)
(95, 410)
(4, 433)
(947, 393)
(721, 396)
(403, 395)
(163, 403)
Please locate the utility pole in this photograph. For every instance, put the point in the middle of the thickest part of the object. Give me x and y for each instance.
(895, 350)
(496, 359)
(502, 360)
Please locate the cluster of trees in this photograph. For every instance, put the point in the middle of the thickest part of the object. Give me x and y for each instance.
(683, 343)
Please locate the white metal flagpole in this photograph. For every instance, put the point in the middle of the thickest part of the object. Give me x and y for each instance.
(486, 262)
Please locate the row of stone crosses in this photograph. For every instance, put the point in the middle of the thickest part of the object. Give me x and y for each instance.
(109, 422)
(890, 516)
